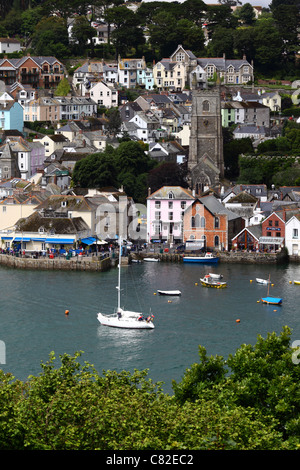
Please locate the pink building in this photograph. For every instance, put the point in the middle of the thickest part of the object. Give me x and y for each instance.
(165, 209)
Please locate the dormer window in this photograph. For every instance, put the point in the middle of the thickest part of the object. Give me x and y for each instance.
(63, 203)
(171, 195)
(41, 230)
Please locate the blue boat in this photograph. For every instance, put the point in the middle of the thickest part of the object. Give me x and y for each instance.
(207, 258)
(271, 300)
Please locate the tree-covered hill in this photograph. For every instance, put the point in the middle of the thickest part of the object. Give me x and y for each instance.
(270, 40)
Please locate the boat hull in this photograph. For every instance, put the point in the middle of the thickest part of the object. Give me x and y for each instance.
(129, 323)
(272, 300)
(297, 282)
(213, 283)
(199, 259)
(169, 292)
(262, 281)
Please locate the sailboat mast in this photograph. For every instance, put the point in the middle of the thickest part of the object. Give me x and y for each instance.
(119, 276)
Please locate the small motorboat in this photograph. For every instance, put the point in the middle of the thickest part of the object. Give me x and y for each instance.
(207, 281)
(262, 281)
(207, 258)
(151, 259)
(169, 292)
(215, 276)
(297, 282)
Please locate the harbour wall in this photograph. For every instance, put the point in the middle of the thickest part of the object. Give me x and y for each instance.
(97, 264)
(60, 264)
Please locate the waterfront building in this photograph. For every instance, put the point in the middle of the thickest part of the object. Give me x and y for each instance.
(165, 211)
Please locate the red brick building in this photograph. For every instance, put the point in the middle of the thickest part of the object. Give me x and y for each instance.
(273, 231)
(199, 223)
(38, 72)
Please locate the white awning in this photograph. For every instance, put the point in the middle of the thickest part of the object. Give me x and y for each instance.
(270, 240)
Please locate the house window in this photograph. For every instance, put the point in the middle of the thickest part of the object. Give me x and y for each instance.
(202, 222)
(269, 234)
(270, 223)
(171, 195)
(217, 241)
(295, 233)
(183, 204)
(157, 204)
(217, 222)
(170, 204)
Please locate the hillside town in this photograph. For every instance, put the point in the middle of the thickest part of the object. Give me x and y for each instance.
(179, 111)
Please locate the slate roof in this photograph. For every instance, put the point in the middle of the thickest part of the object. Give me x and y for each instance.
(222, 64)
(60, 225)
(178, 191)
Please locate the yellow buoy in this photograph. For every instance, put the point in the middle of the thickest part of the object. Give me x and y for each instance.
(272, 285)
(290, 282)
(154, 293)
(196, 283)
(169, 301)
(258, 301)
(251, 280)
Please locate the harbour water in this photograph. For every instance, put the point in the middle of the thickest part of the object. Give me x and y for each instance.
(33, 320)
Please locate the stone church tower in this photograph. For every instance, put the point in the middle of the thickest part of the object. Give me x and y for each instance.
(206, 162)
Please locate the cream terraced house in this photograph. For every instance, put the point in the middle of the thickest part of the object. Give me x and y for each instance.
(169, 75)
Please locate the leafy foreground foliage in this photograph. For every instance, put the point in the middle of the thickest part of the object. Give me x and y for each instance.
(72, 407)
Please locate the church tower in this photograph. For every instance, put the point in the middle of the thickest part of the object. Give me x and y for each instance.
(206, 162)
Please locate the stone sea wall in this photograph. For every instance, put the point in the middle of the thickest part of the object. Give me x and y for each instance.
(60, 264)
(97, 264)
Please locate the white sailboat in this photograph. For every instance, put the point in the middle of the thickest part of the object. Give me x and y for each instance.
(125, 318)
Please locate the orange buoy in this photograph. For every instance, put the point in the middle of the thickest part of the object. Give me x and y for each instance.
(66, 312)
(238, 320)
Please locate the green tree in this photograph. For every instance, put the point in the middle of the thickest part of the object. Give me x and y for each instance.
(63, 88)
(82, 31)
(51, 37)
(222, 42)
(167, 174)
(114, 121)
(268, 45)
(246, 14)
(72, 407)
(96, 170)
